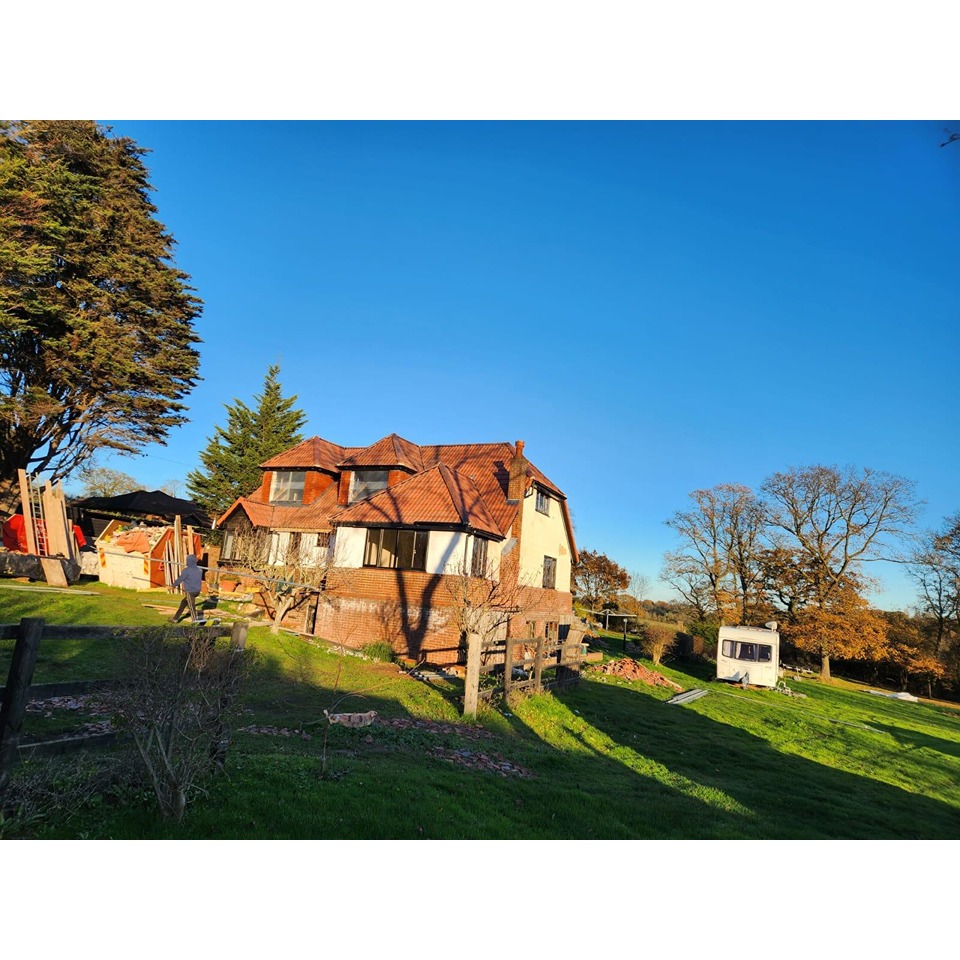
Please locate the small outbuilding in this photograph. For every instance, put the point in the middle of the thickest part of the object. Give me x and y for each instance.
(749, 655)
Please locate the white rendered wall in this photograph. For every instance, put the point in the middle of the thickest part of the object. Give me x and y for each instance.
(351, 543)
(543, 536)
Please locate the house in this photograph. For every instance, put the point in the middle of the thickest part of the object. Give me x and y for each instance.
(409, 537)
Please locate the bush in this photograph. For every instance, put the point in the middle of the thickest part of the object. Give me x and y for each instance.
(176, 699)
(657, 639)
(380, 650)
(709, 633)
(49, 791)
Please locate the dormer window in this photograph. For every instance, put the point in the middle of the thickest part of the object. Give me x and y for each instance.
(287, 486)
(365, 483)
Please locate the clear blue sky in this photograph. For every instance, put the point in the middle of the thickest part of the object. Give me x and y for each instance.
(652, 307)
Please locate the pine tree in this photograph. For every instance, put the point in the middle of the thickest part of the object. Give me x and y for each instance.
(231, 460)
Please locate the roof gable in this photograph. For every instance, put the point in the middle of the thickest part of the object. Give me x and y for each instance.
(314, 452)
(390, 451)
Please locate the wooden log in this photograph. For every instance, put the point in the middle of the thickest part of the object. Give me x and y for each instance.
(16, 693)
(471, 684)
(508, 666)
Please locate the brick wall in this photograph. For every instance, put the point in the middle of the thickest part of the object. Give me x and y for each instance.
(314, 484)
(412, 611)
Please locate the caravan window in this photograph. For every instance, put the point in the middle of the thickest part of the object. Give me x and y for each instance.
(754, 652)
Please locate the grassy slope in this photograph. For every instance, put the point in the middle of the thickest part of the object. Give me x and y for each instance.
(608, 759)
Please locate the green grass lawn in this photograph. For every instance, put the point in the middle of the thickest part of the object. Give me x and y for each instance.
(609, 759)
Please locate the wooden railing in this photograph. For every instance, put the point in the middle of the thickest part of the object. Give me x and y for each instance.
(524, 665)
(20, 688)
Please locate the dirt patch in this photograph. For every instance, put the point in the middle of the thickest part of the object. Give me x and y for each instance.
(431, 726)
(632, 670)
(480, 760)
(487, 762)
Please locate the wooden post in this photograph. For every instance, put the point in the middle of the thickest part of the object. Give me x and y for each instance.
(17, 692)
(507, 666)
(538, 664)
(471, 684)
(238, 636)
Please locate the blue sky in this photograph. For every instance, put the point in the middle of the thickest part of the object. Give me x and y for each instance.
(652, 307)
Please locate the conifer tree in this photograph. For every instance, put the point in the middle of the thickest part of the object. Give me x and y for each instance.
(231, 460)
(97, 339)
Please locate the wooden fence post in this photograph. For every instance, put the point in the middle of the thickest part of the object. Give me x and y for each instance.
(17, 692)
(471, 684)
(538, 664)
(507, 666)
(238, 636)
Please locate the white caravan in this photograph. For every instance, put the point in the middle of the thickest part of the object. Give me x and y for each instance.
(749, 655)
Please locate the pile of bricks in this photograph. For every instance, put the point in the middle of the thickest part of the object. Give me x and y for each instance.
(632, 670)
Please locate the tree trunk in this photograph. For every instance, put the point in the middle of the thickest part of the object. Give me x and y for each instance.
(283, 608)
(825, 667)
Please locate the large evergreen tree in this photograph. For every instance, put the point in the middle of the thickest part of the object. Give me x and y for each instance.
(232, 457)
(97, 340)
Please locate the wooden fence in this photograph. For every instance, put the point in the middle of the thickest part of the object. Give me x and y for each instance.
(20, 688)
(535, 665)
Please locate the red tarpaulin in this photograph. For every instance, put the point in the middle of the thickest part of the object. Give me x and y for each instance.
(15, 534)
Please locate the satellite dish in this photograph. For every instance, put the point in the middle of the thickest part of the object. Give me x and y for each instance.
(772, 625)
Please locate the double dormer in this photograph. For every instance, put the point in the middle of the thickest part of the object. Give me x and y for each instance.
(299, 476)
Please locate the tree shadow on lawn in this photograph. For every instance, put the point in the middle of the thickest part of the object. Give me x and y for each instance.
(914, 739)
(773, 794)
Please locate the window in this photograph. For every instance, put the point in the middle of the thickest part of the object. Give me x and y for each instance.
(229, 545)
(754, 652)
(478, 561)
(543, 502)
(323, 540)
(287, 486)
(365, 483)
(549, 573)
(396, 549)
(551, 630)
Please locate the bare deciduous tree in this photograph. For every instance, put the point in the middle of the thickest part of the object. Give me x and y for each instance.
(177, 699)
(835, 520)
(289, 567)
(722, 536)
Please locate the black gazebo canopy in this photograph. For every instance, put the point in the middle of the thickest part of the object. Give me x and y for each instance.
(148, 503)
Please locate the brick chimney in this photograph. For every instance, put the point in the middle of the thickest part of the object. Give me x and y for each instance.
(518, 475)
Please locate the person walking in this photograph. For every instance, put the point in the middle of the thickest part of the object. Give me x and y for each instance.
(191, 580)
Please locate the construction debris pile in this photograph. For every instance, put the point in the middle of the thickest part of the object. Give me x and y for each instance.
(632, 670)
(141, 557)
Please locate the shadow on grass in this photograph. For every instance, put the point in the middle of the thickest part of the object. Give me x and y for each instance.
(745, 786)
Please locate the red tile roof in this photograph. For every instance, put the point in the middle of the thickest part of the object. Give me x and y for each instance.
(311, 516)
(391, 451)
(464, 484)
(314, 452)
(436, 496)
